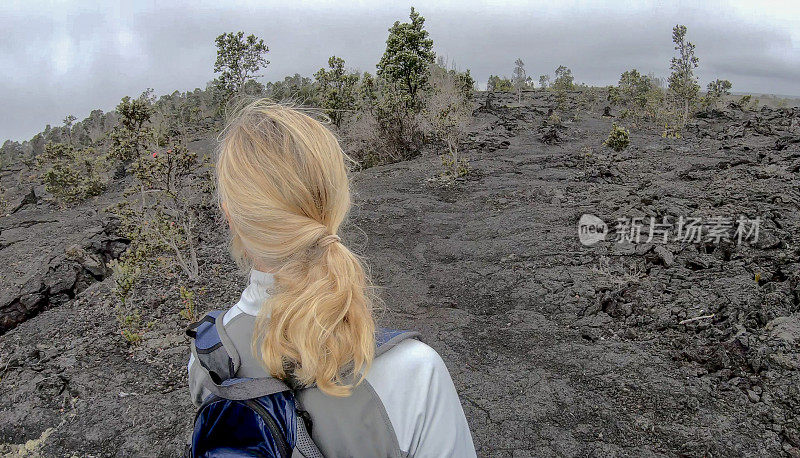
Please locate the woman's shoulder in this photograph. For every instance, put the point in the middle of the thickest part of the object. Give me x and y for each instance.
(412, 353)
(410, 363)
(414, 386)
(235, 312)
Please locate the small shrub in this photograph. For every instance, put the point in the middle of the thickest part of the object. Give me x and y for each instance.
(671, 131)
(393, 113)
(747, 102)
(125, 273)
(618, 139)
(3, 201)
(130, 327)
(654, 100)
(173, 188)
(670, 114)
(455, 167)
(360, 140)
(188, 312)
(71, 175)
(588, 98)
(447, 113)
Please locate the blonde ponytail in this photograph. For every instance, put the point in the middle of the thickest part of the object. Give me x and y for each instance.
(282, 180)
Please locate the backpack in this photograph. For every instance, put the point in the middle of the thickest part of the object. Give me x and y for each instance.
(259, 417)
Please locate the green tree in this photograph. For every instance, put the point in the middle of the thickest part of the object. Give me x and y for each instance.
(177, 116)
(561, 84)
(682, 81)
(634, 93)
(130, 136)
(544, 81)
(68, 121)
(336, 89)
(393, 100)
(239, 58)
(467, 83)
(716, 90)
(296, 88)
(499, 84)
(564, 80)
(520, 78)
(409, 53)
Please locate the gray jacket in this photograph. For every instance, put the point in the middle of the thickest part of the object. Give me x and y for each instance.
(407, 406)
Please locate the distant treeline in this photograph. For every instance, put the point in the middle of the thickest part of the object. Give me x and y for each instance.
(386, 116)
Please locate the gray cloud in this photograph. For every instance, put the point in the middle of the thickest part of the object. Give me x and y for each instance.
(63, 59)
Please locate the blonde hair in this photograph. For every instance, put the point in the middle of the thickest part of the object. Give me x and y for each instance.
(282, 179)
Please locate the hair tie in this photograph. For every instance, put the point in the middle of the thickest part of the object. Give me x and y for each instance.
(328, 239)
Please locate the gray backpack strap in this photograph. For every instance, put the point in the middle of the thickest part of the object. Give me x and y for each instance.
(304, 445)
(208, 347)
(241, 389)
(228, 344)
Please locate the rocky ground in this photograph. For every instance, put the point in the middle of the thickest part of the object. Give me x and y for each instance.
(556, 348)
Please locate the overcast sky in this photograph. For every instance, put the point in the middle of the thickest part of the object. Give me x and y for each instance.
(60, 58)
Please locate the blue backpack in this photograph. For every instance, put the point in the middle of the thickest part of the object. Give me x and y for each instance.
(246, 417)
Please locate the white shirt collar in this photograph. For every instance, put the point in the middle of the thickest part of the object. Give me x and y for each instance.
(257, 291)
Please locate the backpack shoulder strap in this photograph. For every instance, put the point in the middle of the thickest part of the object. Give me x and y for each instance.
(386, 339)
(214, 350)
(212, 347)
